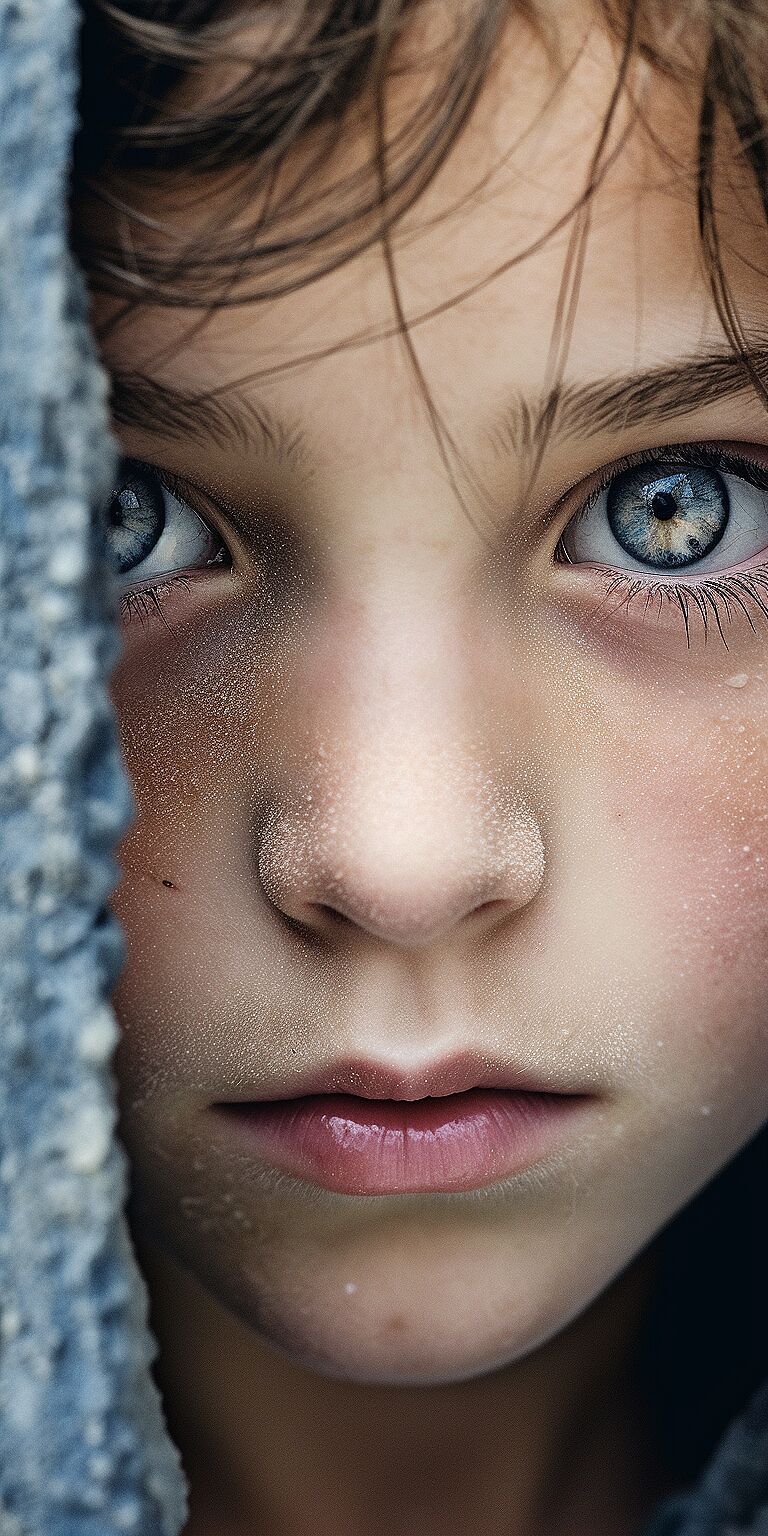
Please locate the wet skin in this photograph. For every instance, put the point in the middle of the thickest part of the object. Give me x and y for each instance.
(409, 784)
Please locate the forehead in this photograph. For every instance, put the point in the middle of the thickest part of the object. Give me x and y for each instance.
(487, 265)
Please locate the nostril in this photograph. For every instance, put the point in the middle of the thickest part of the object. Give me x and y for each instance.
(338, 874)
(309, 933)
(314, 921)
(336, 918)
(485, 907)
(321, 918)
(396, 917)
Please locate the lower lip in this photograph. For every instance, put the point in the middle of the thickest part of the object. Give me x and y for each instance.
(384, 1146)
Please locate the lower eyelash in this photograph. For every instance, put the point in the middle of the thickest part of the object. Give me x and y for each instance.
(710, 599)
(711, 596)
(146, 602)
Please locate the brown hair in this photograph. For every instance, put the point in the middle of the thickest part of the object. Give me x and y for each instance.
(305, 71)
(297, 79)
(312, 73)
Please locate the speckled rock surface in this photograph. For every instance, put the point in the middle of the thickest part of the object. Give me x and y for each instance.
(83, 1447)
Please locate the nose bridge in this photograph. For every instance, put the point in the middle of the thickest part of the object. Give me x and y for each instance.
(392, 816)
(387, 675)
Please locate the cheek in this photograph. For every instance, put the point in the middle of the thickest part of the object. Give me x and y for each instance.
(691, 799)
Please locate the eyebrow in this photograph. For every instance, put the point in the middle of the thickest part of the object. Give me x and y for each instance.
(233, 420)
(615, 402)
(608, 404)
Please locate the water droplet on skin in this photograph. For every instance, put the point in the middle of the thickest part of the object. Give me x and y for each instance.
(350, 1288)
(739, 680)
(706, 1109)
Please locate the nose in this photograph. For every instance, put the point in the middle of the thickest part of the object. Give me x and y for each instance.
(408, 850)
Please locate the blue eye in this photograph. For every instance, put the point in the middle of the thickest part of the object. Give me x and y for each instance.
(677, 511)
(149, 532)
(134, 519)
(670, 517)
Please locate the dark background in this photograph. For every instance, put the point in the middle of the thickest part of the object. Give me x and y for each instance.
(704, 1350)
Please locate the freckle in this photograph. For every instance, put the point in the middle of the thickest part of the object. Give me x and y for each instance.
(396, 1325)
(739, 680)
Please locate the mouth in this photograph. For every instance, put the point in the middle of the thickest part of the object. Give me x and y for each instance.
(367, 1128)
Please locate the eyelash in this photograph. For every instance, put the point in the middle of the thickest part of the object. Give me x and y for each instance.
(144, 602)
(715, 593)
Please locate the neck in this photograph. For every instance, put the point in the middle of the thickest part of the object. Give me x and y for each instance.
(555, 1444)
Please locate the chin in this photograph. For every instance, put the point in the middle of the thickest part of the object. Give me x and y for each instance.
(354, 1355)
(401, 1292)
(420, 1313)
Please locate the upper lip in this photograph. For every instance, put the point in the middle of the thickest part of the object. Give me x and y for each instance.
(367, 1078)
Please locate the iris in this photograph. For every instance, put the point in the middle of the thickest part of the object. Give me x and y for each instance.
(134, 519)
(670, 516)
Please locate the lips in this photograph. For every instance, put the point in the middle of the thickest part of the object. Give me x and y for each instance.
(370, 1128)
(366, 1078)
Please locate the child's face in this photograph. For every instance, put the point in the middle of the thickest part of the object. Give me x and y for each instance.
(408, 786)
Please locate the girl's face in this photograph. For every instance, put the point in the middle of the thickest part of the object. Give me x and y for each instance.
(418, 780)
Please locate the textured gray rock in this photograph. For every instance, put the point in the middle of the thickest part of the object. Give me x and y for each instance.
(83, 1443)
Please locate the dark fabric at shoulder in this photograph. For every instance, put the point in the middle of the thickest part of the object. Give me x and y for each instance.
(704, 1350)
(732, 1496)
(704, 1358)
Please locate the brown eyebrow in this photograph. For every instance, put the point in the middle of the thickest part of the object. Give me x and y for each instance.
(608, 404)
(232, 421)
(613, 403)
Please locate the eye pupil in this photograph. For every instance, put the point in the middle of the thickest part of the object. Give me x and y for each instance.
(664, 505)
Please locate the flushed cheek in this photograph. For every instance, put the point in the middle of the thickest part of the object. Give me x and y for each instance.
(692, 801)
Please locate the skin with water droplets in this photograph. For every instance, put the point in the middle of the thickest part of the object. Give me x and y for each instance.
(415, 789)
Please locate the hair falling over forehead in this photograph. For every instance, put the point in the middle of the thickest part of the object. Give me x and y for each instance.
(295, 72)
(325, 78)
